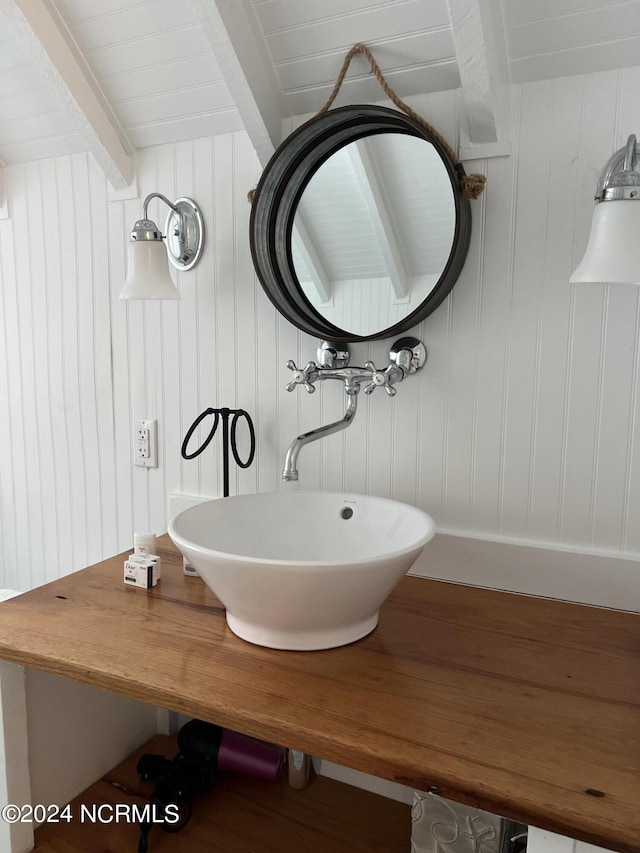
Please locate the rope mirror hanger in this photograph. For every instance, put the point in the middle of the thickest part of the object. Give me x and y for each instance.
(472, 185)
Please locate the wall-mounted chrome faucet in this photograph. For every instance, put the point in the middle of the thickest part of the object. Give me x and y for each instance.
(407, 355)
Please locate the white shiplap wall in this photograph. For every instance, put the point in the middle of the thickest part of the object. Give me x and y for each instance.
(523, 425)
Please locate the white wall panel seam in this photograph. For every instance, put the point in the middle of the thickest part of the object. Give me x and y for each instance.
(480, 211)
(97, 388)
(8, 502)
(599, 398)
(21, 271)
(516, 120)
(37, 451)
(52, 549)
(65, 344)
(82, 431)
(538, 345)
(562, 484)
(631, 431)
(445, 419)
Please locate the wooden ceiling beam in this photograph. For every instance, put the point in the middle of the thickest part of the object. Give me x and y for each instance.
(71, 83)
(237, 42)
(479, 40)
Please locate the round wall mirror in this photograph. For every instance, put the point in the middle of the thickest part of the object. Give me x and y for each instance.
(359, 227)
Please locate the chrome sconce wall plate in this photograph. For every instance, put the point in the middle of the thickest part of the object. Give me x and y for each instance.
(185, 234)
(148, 271)
(613, 251)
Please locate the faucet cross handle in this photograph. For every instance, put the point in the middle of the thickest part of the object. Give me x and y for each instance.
(379, 379)
(302, 377)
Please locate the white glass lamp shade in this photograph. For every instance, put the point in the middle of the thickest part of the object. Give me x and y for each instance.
(613, 251)
(148, 272)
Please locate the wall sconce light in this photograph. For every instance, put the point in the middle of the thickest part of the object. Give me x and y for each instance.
(613, 250)
(148, 271)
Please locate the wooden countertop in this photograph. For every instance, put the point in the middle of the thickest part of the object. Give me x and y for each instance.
(526, 707)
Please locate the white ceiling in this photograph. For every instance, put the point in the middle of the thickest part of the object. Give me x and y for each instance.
(162, 70)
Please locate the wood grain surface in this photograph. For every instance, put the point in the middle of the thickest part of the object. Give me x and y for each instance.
(238, 814)
(526, 707)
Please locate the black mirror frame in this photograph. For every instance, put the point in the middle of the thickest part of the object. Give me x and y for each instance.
(281, 186)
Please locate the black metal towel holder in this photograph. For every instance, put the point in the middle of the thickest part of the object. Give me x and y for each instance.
(229, 431)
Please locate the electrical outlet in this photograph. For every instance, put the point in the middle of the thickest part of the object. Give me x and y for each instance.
(145, 438)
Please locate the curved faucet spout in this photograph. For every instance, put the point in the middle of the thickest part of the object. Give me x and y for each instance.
(290, 473)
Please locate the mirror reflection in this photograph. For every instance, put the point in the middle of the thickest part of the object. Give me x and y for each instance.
(373, 231)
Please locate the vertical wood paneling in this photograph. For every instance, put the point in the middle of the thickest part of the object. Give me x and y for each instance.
(432, 451)
(248, 366)
(191, 325)
(381, 433)
(87, 355)
(154, 408)
(627, 119)
(121, 461)
(266, 414)
(460, 392)
(432, 474)
(103, 374)
(31, 570)
(152, 404)
(297, 411)
(204, 192)
(9, 410)
(357, 444)
(70, 360)
(534, 162)
(166, 316)
(498, 206)
(41, 439)
(226, 318)
(631, 502)
(618, 378)
(555, 307)
(139, 478)
(524, 423)
(588, 336)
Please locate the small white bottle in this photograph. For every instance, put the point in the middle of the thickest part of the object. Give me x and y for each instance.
(144, 543)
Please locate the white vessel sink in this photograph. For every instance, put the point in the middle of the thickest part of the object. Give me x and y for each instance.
(300, 570)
